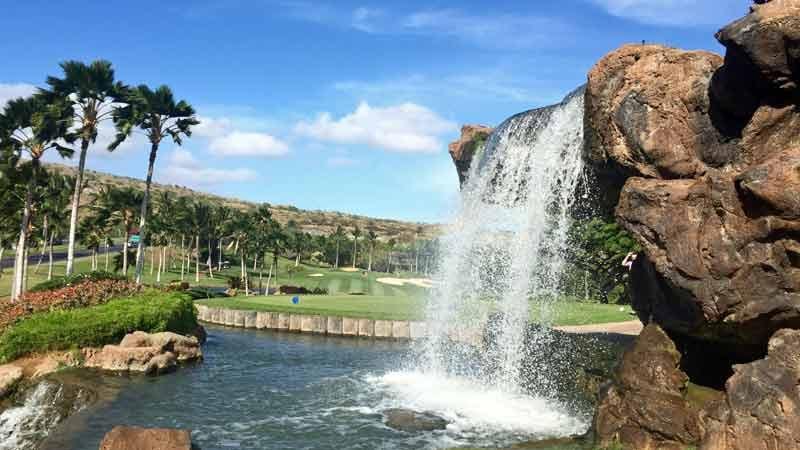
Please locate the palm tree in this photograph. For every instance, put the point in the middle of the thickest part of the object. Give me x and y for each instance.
(356, 235)
(158, 115)
(337, 236)
(390, 244)
(223, 216)
(198, 221)
(372, 238)
(94, 95)
(120, 207)
(30, 127)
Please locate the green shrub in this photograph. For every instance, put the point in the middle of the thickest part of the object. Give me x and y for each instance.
(150, 311)
(60, 282)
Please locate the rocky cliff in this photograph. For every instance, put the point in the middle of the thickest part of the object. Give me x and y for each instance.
(705, 152)
(463, 150)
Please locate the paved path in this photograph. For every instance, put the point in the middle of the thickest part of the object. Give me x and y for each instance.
(632, 328)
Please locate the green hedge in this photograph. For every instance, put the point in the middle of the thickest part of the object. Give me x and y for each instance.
(150, 311)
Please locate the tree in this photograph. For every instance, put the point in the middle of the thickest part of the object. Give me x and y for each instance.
(372, 238)
(158, 115)
(390, 245)
(120, 207)
(337, 237)
(356, 235)
(198, 219)
(94, 95)
(30, 127)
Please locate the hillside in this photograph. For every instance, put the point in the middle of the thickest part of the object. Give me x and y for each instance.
(314, 222)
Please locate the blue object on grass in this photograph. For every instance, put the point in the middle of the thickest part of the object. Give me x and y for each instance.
(295, 300)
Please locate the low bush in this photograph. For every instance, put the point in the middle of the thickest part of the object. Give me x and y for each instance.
(60, 282)
(293, 290)
(80, 295)
(319, 291)
(151, 311)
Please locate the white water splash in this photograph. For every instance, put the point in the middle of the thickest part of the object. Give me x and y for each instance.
(502, 256)
(21, 427)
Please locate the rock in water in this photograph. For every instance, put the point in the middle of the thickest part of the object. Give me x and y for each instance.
(761, 411)
(413, 421)
(134, 438)
(147, 353)
(645, 407)
(10, 375)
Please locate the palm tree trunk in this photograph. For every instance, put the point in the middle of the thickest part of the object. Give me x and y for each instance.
(19, 264)
(125, 252)
(297, 259)
(269, 278)
(355, 252)
(369, 266)
(44, 244)
(160, 264)
(241, 270)
(76, 200)
(219, 255)
(164, 255)
(143, 215)
(2, 249)
(108, 249)
(197, 259)
(246, 286)
(255, 262)
(49, 258)
(25, 271)
(183, 258)
(336, 264)
(208, 260)
(152, 259)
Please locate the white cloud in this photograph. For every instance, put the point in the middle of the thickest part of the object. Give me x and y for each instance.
(14, 90)
(407, 127)
(184, 169)
(240, 143)
(364, 19)
(676, 12)
(212, 127)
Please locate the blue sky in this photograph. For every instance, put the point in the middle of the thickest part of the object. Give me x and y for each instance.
(345, 105)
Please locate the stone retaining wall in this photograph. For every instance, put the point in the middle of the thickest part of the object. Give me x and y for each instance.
(305, 323)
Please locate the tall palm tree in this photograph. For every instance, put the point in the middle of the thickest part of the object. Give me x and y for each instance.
(372, 238)
(120, 207)
(198, 221)
(55, 203)
(223, 216)
(337, 236)
(356, 235)
(158, 115)
(30, 127)
(94, 95)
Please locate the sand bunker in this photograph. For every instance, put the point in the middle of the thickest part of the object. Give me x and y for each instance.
(349, 269)
(317, 275)
(421, 282)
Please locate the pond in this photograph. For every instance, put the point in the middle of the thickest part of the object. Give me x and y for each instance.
(269, 390)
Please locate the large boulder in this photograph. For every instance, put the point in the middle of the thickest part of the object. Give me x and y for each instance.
(762, 408)
(10, 375)
(463, 150)
(646, 406)
(146, 353)
(135, 438)
(413, 421)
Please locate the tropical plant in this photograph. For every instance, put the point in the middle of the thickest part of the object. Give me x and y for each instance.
(356, 235)
(119, 207)
(158, 115)
(337, 237)
(93, 95)
(199, 216)
(29, 127)
(372, 239)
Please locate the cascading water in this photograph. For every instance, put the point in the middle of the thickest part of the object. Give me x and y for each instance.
(503, 257)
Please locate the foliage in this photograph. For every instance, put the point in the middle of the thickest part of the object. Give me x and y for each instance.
(598, 246)
(69, 280)
(150, 311)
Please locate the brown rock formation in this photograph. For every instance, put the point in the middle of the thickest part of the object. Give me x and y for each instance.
(135, 438)
(763, 401)
(463, 150)
(646, 407)
(142, 352)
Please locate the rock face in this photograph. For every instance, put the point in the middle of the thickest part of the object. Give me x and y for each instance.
(10, 375)
(134, 438)
(761, 411)
(707, 154)
(463, 150)
(413, 421)
(142, 352)
(646, 407)
(713, 187)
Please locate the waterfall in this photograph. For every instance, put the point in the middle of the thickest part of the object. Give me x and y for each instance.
(504, 253)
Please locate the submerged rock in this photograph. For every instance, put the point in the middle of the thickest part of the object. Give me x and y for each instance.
(135, 438)
(413, 421)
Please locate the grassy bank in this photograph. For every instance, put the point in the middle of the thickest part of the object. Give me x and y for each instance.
(408, 308)
(150, 311)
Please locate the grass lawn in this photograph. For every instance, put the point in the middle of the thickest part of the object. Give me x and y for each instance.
(408, 308)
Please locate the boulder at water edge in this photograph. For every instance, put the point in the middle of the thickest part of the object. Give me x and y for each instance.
(134, 438)
(146, 353)
(463, 150)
